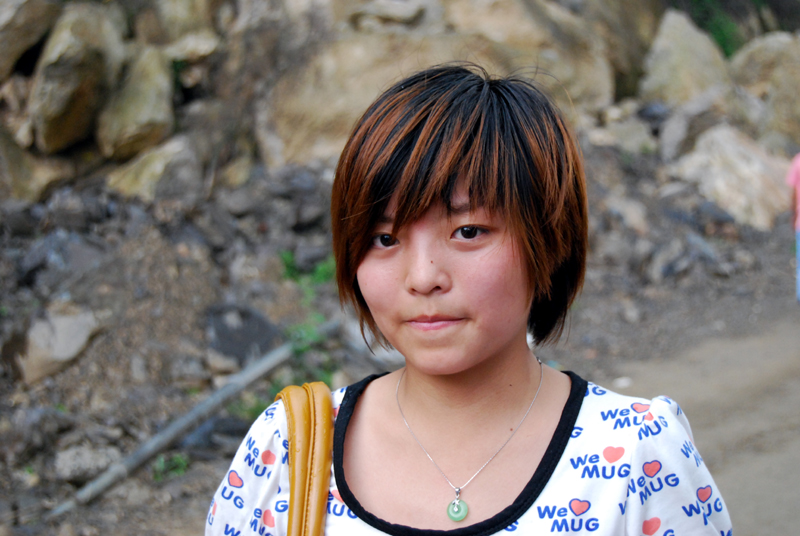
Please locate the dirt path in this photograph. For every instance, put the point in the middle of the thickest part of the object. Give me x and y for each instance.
(742, 398)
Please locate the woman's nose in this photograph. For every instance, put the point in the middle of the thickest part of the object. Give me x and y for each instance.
(426, 270)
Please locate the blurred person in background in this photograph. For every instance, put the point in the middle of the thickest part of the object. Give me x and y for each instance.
(793, 180)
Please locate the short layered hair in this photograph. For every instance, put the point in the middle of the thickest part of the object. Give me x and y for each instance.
(503, 141)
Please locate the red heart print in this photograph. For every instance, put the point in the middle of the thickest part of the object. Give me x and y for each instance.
(651, 469)
(267, 457)
(214, 510)
(640, 408)
(235, 480)
(336, 495)
(268, 519)
(649, 416)
(578, 506)
(704, 493)
(650, 526)
(612, 454)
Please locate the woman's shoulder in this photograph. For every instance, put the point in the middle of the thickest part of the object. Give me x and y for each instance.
(607, 412)
(650, 444)
(344, 399)
(633, 461)
(617, 430)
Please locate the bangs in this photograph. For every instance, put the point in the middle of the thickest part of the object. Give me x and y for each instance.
(445, 139)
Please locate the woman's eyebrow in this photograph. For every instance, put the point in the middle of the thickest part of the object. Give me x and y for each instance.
(459, 209)
(455, 210)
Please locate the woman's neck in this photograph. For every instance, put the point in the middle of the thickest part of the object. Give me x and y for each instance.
(493, 393)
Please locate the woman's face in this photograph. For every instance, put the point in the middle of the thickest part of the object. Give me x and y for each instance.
(448, 293)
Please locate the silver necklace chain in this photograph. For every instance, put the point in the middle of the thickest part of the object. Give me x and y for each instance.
(458, 489)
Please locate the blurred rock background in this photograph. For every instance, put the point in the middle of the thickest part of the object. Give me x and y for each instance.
(165, 168)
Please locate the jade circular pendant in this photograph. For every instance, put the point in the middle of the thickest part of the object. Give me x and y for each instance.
(457, 510)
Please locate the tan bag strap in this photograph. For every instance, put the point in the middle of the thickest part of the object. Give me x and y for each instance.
(310, 417)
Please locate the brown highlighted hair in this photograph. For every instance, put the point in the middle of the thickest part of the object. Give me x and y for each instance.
(500, 137)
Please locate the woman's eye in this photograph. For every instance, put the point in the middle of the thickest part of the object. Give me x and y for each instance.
(468, 232)
(383, 240)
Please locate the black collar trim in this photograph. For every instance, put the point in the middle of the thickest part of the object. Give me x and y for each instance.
(494, 524)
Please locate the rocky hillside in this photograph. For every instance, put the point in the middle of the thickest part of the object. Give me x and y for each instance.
(165, 168)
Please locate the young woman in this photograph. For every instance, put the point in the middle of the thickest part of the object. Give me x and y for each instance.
(460, 226)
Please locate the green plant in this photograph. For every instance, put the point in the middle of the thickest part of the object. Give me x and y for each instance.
(711, 16)
(647, 149)
(305, 334)
(323, 272)
(290, 270)
(173, 466)
(725, 32)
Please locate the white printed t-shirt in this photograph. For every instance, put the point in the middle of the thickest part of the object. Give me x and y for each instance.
(616, 465)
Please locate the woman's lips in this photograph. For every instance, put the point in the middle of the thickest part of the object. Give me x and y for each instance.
(430, 323)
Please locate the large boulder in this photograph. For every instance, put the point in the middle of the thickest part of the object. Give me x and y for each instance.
(267, 38)
(139, 115)
(22, 24)
(16, 167)
(544, 39)
(56, 339)
(311, 110)
(308, 21)
(172, 171)
(767, 68)
(263, 41)
(193, 47)
(179, 17)
(14, 111)
(745, 111)
(737, 174)
(783, 105)
(503, 21)
(79, 65)
(754, 65)
(682, 63)
(25, 177)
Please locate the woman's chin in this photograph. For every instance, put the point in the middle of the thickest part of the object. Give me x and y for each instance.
(443, 363)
